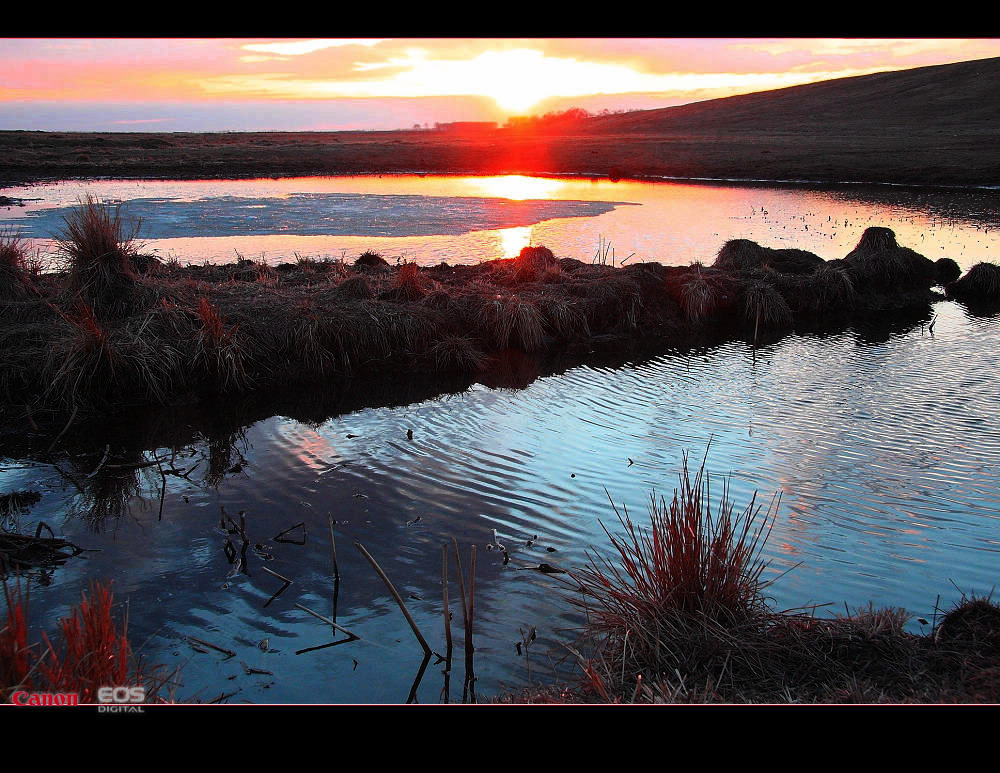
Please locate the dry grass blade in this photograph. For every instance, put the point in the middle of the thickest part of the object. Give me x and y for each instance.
(396, 596)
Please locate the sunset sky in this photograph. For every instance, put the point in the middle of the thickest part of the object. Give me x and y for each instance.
(234, 84)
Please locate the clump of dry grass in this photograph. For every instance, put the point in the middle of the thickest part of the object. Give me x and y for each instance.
(947, 271)
(678, 615)
(371, 259)
(98, 248)
(745, 255)
(457, 353)
(305, 340)
(564, 317)
(690, 562)
(699, 295)
(510, 320)
(981, 283)
(764, 307)
(90, 362)
(407, 284)
(973, 623)
(220, 353)
(879, 264)
(828, 290)
(739, 255)
(15, 270)
(248, 270)
(534, 264)
(693, 573)
(356, 287)
(92, 651)
(611, 301)
(874, 239)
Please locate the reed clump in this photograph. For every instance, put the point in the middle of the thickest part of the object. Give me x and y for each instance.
(458, 353)
(690, 562)
(747, 255)
(702, 293)
(220, 353)
(15, 267)
(879, 264)
(536, 264)
(980, 284)
(98, 247)
(508, 320)
(407, 285)
(371, 259)
(829, 291)
(677, 614)
(91, 651)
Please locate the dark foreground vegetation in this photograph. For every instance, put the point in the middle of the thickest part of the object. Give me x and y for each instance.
(90, 651)
(116, 328)
(678, 614)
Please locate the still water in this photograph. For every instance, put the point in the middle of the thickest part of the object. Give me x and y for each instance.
(881, 441)
(429, 219)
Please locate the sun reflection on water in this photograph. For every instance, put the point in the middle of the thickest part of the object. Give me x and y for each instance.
(513, 240)
(518, 187)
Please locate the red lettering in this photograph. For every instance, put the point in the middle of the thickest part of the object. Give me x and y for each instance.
(22, 698)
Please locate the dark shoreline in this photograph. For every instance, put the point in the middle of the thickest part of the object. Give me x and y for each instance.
(919, 159)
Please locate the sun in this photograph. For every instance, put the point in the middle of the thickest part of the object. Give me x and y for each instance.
(515, 80)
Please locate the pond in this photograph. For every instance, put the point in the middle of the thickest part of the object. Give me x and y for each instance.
(429, 219)
(881, 440)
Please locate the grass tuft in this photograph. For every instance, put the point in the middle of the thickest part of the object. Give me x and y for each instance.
(764, 307)
(458, 353)
(92, 651)
(98, 248)
(691, 570)
(740, 255)
(15, 267)
(371, 259)
(536, 263)
(510, 320)
(408, 284)
(981, 283)
(220, 353)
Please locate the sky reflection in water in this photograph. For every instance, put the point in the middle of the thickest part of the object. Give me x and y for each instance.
(429, 219)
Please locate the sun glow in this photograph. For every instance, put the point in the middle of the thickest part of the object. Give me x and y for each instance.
(518, 187)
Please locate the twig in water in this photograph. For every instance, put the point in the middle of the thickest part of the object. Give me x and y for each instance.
(396, 596)
(301, 525)
(281, 589)
(467, 610)
(333, 551)
(447, 611)
(412, 697)
(107, 448)
(59, 436)
(223, 650)
(353, 636)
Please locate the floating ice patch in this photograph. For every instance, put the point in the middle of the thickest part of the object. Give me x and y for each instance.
(326, 214)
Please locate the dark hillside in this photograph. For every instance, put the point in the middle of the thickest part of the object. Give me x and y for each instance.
(953, 97)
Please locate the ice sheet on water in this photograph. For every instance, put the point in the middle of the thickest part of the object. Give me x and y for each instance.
(321, 214)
